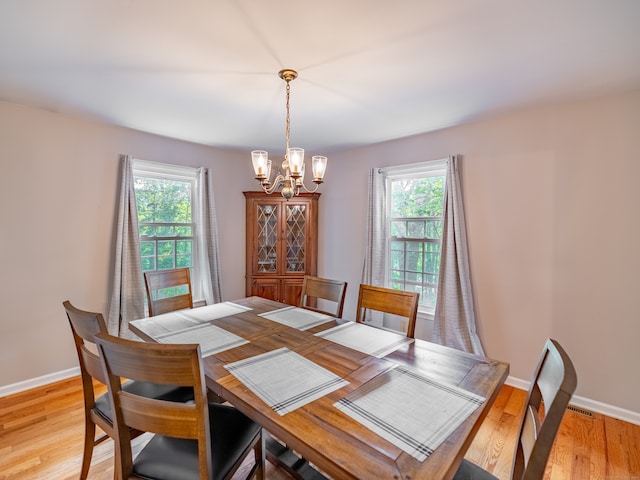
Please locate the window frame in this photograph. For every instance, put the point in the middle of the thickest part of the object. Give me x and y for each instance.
(434, 168)
(177, 173)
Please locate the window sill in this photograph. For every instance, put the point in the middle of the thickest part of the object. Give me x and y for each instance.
(426, 313)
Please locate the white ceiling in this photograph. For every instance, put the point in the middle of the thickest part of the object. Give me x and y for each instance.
(369, 70)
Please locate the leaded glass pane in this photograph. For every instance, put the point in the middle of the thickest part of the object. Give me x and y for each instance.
(296, 237)
(267, 238)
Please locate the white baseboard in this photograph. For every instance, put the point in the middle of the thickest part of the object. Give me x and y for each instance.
(587, 403)
(38, 381)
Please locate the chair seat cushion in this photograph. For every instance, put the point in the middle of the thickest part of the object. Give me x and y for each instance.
(470, 471)
(171, 393)
(165, 458)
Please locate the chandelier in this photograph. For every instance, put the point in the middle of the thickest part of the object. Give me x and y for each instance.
(290, 177)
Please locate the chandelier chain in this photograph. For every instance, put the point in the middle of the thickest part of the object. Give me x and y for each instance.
(287, 121)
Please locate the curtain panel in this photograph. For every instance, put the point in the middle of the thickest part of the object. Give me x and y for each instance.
(208, 257)
(375, 262)
(454, 317)
(127, 284)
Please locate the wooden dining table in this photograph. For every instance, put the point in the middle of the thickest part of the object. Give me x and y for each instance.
(334, 442)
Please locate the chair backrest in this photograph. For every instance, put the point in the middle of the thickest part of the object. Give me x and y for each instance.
(314, 288)
(159, 364)
(396, 302)
(163, 279)
(84, 326)
(553, 384)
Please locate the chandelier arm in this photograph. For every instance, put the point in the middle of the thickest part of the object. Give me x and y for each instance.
(306, 189)
(274, 186)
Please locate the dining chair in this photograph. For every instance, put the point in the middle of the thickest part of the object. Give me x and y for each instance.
(552, 386)
(160, 280)
(191, 441)
(387, 300)
(315, 288)
(97, 409)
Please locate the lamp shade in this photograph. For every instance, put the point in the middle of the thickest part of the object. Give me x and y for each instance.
(259, 159)
(296, 161)
(318, 165)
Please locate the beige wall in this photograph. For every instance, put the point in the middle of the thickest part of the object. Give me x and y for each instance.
(552, 213)
(58, 186)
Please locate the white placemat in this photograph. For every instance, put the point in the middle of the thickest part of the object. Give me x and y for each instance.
(411, 410)
(285, 380)
(181, 319)
(212, 339)
(296, 317)
(370, 340)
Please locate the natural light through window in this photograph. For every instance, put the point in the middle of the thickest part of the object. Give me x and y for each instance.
(164, 200)
(415, 205)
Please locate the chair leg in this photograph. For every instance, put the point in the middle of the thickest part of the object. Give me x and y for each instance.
(260, 457)
(89, 439)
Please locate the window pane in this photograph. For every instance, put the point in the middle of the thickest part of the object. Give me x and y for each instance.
(417, 197)
(165, 263)
(165, 247)
(147, 248)
(163, 201)
(397, 259)
(414, 277)
(183, 246)
(183, 231)
(147, 230)
(434, 229)
(415, 229)
(166, 231)
(183, 261)
(398, 228)
(397, 274)
(414, 262)
(148, 264)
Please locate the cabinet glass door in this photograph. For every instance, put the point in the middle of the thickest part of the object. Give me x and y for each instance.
(295, 237)
(267, 238)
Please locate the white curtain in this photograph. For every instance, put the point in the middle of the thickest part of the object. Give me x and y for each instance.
(375, 261)
(127, 294)
(454, 318)
(206, 238)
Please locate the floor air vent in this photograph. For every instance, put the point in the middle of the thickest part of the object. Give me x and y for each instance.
(581, 411)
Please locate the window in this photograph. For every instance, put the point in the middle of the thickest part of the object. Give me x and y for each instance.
(415, 204)
(164, 199)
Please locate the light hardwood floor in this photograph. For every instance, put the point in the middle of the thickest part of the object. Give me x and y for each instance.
(41, 438)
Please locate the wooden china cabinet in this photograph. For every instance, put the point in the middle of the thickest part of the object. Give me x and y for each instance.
(282, 244)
